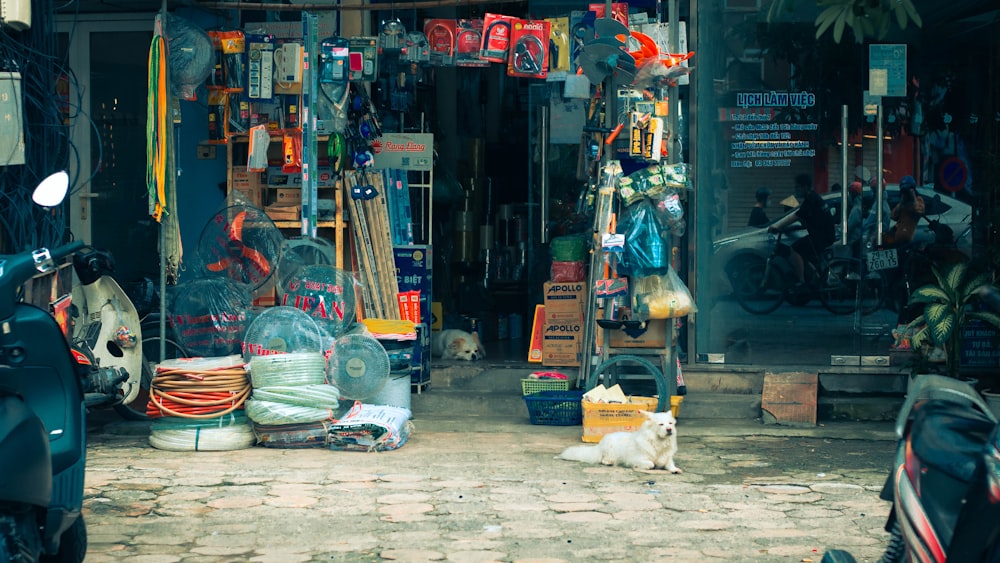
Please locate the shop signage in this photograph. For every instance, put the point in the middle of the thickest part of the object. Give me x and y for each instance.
(404, 151)
(759, 139)
(887, 70)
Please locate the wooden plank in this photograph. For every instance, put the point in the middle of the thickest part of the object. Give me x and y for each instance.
(790, 398)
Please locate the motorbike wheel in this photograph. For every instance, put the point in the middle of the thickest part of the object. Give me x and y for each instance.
(136, 410)
(19, 538)
(895, 552)
(838, 556)
(758, 287)
(72, 545)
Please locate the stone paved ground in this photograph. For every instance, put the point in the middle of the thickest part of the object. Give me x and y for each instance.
(482, 490)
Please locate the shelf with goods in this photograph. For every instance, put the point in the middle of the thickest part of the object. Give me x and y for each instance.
(279, 193)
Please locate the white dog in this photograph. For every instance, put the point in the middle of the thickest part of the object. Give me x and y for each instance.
(652, 446)
(454, 344)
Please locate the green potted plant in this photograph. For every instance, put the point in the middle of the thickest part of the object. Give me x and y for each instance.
(949, 305)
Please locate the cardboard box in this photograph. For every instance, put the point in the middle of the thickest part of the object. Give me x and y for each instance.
(251, 194)
(242, 178)
(604, 418)
(562, 344)
(557, 317)
(654, 337)
(283, 212)
(437, 315)
(276, 178)
(564, 297)
(287, 196)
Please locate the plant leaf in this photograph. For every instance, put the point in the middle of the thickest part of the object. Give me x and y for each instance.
(972, 285)
(929, 294)
(941, 320)
(912, 12)
(900, 15)
(838, 28)
(825, 19)
(987, 316)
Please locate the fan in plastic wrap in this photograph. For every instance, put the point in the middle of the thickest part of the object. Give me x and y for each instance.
(281, 330)
(242, 243)
(605, 55)
(302, 251)
(211, 315)
(326, 294)
(358, 366)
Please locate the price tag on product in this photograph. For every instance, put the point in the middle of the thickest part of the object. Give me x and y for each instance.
(882, 260)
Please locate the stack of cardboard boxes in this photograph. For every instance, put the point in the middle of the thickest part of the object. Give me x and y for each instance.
(562, 331)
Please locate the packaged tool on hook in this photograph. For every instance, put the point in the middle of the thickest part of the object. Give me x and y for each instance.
(496, 37)
(529, 51)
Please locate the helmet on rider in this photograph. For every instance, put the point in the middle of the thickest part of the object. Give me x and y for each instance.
(762, 195)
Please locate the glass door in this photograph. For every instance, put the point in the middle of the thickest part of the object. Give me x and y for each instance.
(109, 207)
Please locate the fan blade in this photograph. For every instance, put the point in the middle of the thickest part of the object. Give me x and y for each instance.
(219, 266)
(236, 227)
(258, 259)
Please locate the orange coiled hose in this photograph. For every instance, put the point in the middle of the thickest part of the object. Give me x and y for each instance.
(197, 394)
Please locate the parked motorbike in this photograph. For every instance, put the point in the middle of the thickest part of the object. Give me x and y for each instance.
(42, 413)
(108, 337)
(945, 483)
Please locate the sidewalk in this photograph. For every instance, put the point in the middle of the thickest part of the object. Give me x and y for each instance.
(489, 489)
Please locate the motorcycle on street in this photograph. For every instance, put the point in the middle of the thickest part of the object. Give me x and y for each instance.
(42, 414)
(945, 485)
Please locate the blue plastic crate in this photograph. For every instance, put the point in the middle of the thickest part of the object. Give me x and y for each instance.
(555, 408)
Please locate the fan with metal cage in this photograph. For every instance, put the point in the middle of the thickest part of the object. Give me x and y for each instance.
(358, 366)
(302, 251)
(241, 243)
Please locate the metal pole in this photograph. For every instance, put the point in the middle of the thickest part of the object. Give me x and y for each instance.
(879, 192)
(843, 174)
(543, 140)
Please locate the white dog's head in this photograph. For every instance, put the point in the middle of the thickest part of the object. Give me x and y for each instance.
(660, 423)
(461, 345)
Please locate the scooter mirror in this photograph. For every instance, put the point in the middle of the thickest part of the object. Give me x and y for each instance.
(51, 191)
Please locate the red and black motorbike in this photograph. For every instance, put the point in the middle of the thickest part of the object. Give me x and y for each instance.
(945, 482)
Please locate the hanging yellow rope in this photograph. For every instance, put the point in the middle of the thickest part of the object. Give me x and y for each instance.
(157, 128)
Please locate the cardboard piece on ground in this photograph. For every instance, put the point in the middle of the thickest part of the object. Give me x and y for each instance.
(790, 398)
(535, 346)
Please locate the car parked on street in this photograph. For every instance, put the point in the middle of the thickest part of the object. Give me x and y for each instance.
(729, 253)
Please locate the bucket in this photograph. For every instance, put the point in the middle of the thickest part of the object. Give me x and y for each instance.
(395, 393)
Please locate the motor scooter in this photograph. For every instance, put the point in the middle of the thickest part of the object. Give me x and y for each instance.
(945, 482)
(42, 415)
(108, 337)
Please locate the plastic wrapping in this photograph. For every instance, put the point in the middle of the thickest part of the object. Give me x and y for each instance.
(240, 243)
(313, 435)
(272, 413)
(369, 428)
(191, 58)
(281, 370)
(211, 316)
(326, 293)
(317, 396)
(661, 296)
(229, 432)
(567, 271)
(282, 330)
(645, 240)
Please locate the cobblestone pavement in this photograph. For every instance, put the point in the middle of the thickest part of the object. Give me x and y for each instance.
(484, 490)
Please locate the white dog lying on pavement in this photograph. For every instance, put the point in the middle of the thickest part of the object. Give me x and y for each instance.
(455, 344)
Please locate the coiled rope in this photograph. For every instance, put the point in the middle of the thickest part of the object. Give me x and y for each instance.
(197, 394)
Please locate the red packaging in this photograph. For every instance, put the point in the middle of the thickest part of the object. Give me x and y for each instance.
(619, 11)
(529, 49)
(565, 272)
(496, 37)
(441, 40)
(468, 40)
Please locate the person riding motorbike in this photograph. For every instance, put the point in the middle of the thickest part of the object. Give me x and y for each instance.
(758, 216)
(906, 214)
(814, 215)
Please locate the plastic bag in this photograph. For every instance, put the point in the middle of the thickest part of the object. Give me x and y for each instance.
(661, 296)
(645, 240)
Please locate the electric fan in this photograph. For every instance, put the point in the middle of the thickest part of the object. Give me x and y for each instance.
(242, 243)
(358, 366)
(301, 251)
(281, 330)
(210, 315)
(325, 293)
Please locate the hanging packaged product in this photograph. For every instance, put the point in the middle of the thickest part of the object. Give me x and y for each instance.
(468, 39)
(496, 38)
(619, 11)
(333, 59)
(291, 148)
(260, 67)
(232, 45)
(416, 48)
(238, 116)
(529, 51)
(441, 40)
(217, 115)
(559, 46)
(363, 58)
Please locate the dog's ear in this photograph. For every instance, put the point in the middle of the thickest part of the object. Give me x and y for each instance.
(646, 414)
(456, 344)
(479, 346)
